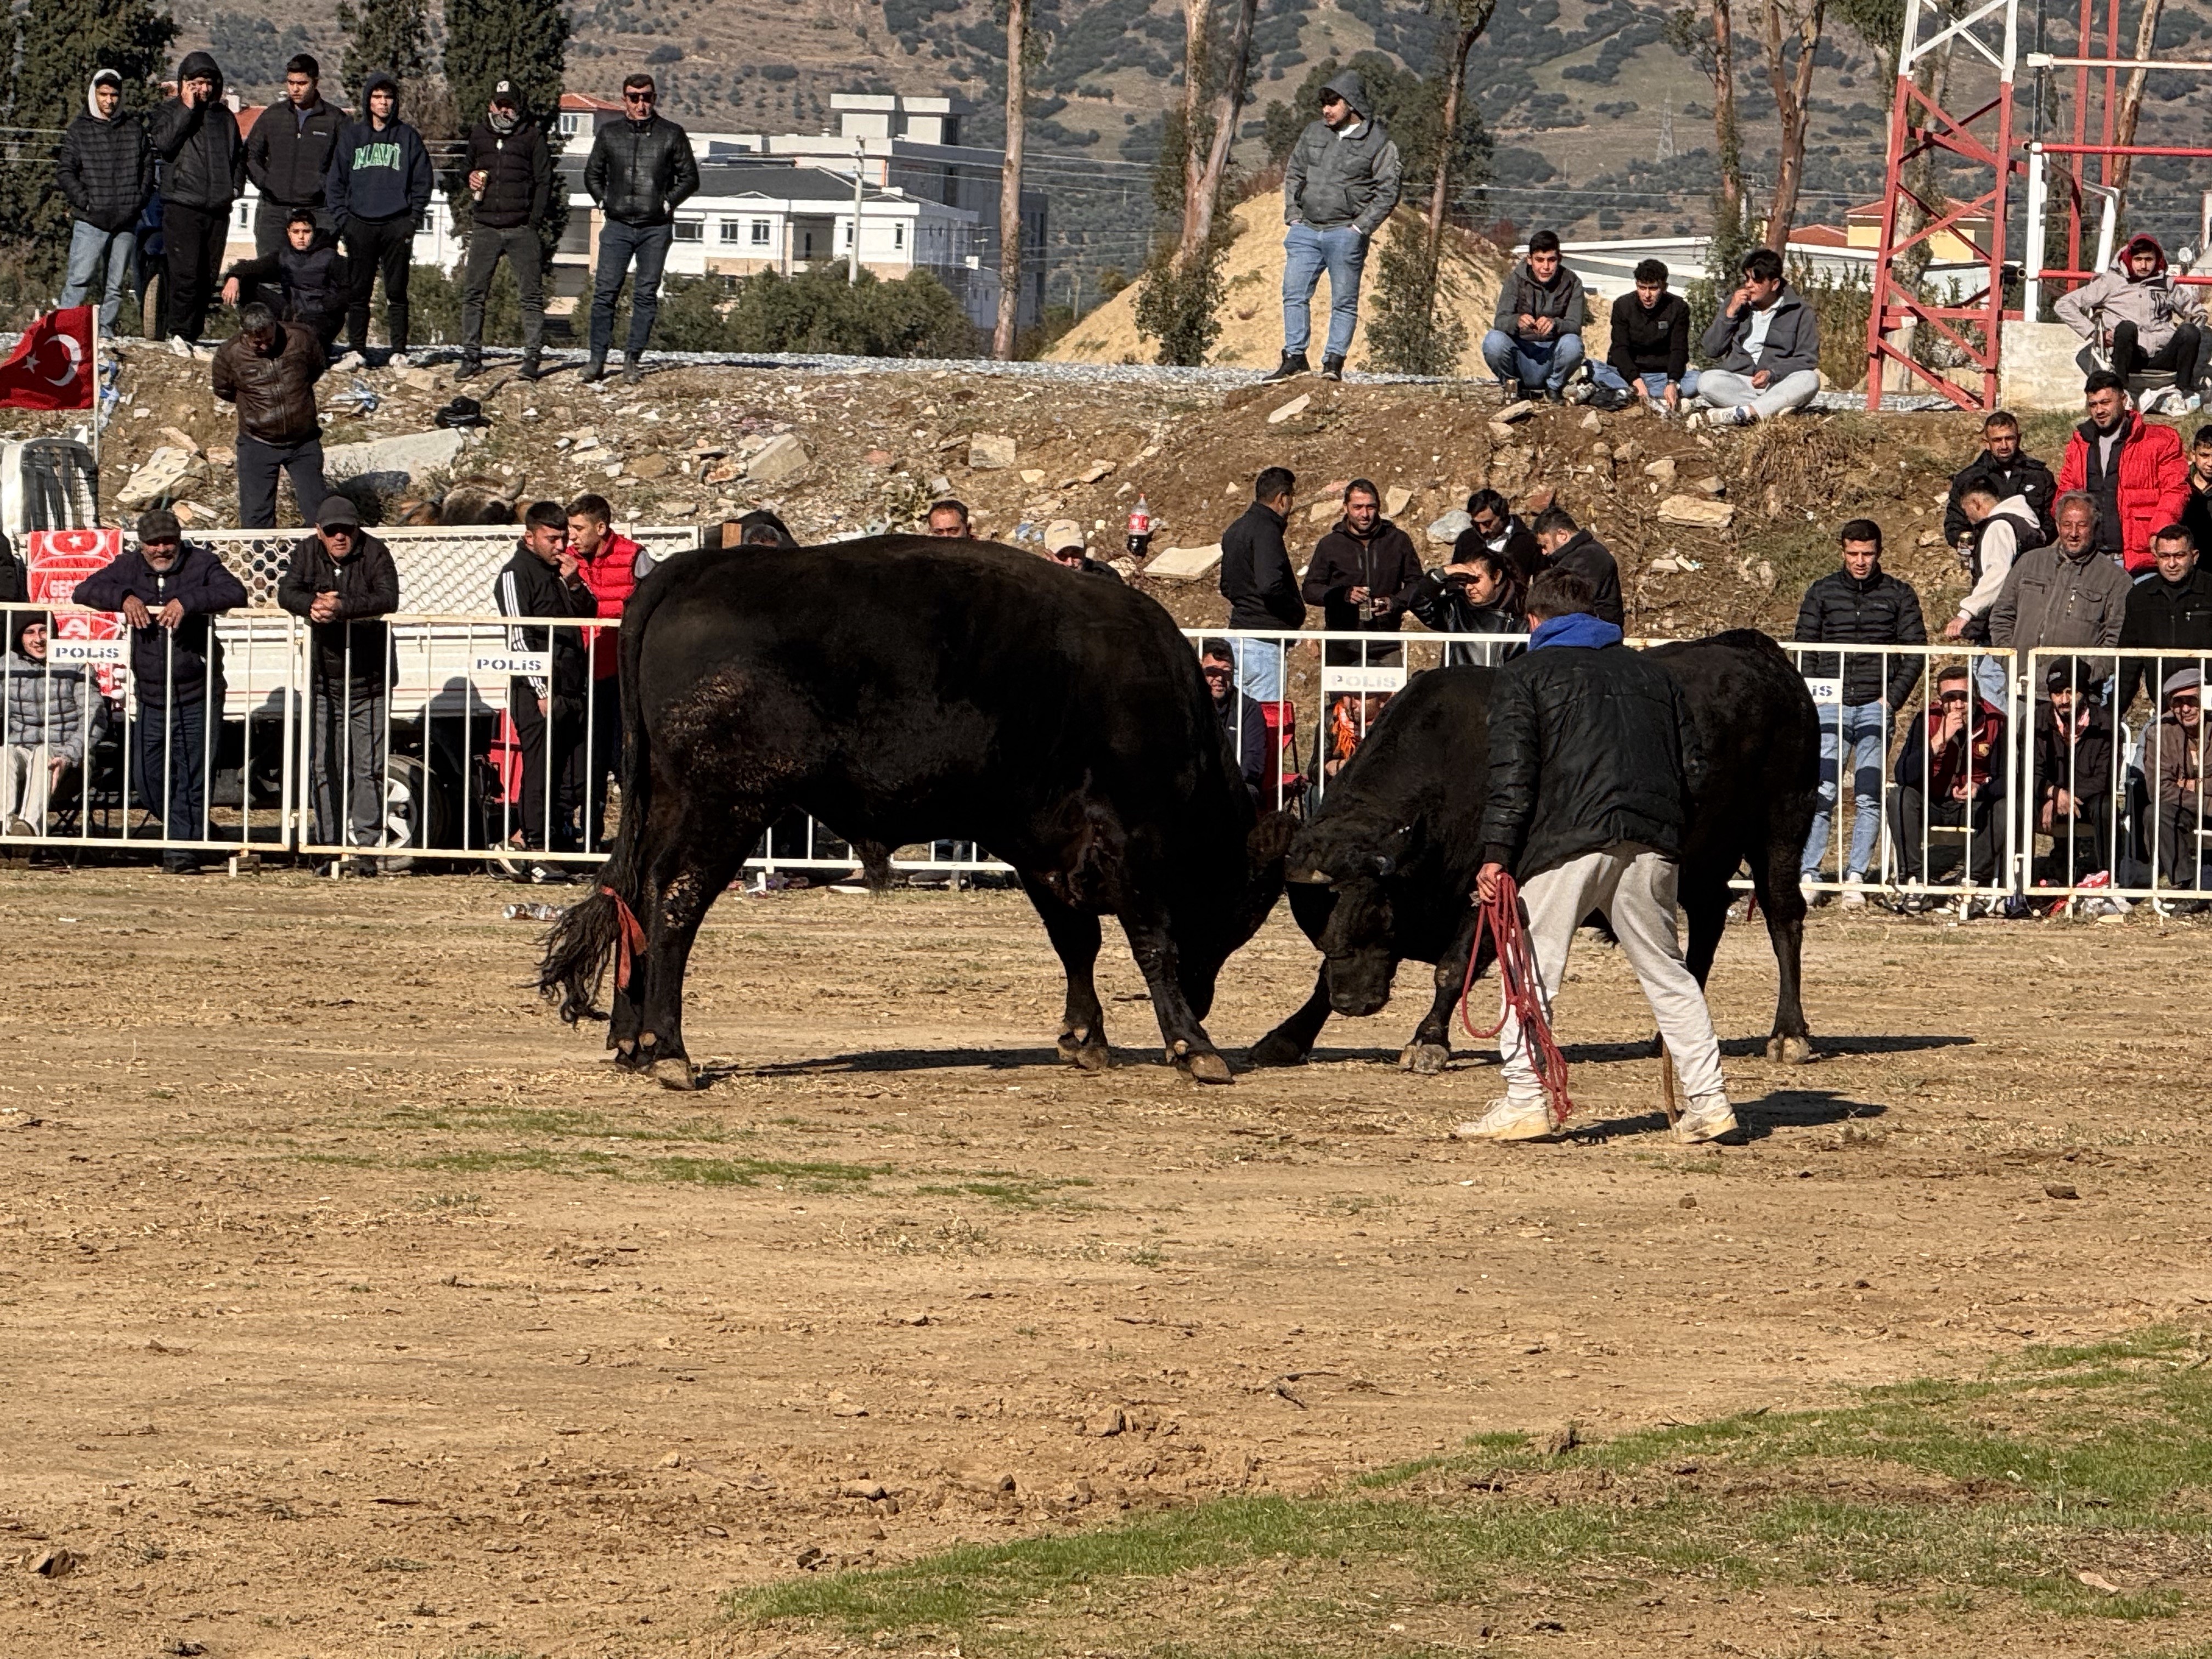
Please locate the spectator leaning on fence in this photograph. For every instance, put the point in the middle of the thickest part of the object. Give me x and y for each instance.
(269, 370)
(1340, 188)
(2006, 471)
(2169, 611)
(607, 561)
(2143, 318)
(543, 579)
(2065, 594)
(105, 171)
(379, 187)
(948, 520)
(307, 280)
(2072, 773)
(1493, 526)
(1568, 547)
(510, 179)
(1479, 594)
(202, 172)
(1535, 339)
(640, 170)
(1361, 574)
(2133, 470)
(1649, 349)
(1859, 604)
(1766, 345)
(288, 155)
(2174, 757)
(343, 582)
(44, 725)
(169, 593)
(1260, 585)
(1243, 722)
(1949, 776)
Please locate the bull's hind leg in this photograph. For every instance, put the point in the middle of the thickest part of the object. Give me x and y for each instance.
(1187, 1045)
(1430, 1051)
(1075, 935)
(1289, 1043)
(685, 882)
(1774, 878)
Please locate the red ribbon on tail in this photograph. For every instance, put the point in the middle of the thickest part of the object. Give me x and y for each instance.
(630, 939)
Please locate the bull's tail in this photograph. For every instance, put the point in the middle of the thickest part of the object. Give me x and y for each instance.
(604, 929)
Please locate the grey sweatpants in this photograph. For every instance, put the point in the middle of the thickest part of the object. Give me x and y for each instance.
(1634, 887)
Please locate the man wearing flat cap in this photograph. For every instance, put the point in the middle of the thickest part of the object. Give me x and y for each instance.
(2173, 754)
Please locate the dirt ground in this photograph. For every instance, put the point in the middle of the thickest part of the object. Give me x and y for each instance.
(354, 1307)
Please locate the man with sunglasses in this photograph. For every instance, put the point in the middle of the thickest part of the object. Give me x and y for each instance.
(641, 169)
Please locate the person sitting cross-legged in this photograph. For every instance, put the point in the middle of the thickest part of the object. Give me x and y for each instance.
(1766, 346)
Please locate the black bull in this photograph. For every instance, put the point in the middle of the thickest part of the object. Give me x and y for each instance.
(1382, 875)
(901, 690)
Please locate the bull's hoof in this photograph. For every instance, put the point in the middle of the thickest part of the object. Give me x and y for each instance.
(1276, 1049)
(1426, 1058)
(1087, 1053)
(1790, 1050)
(1206, 1067)
(674, 1071)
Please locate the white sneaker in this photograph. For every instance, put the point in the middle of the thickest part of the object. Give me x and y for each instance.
(352, 360)
(1708, 1118)
(2192, 403)
(397, 360)
(1853, 899)
(1807, 886)
(1511, 1119)
(1741, 416)
(180, 346)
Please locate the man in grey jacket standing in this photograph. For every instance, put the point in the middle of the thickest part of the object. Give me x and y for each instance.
(1339, 185)
(1766, 341)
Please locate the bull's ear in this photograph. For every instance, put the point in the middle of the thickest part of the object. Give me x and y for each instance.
(1270, 839)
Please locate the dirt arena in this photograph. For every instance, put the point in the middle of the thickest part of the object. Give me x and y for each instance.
(354, 1307)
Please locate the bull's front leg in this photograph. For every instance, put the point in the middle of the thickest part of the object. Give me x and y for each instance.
(1075, 938)
(1188, 1048)
(1289, 1043)
(1430, 1051)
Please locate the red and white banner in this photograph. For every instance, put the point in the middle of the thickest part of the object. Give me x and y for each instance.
(55, 562)
(52, 366)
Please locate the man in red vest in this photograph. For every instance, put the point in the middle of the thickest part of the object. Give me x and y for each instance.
(608, 563)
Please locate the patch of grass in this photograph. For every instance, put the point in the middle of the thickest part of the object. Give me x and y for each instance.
(1016, 1192)
(2067, 1482)
(802, 1176)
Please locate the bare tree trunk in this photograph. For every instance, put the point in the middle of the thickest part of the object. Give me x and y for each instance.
(1202, 186)
(1009, 185)
(1792, 86)
(1195, 14)
(1471, 26)
(1726, 136)
(2131, 101)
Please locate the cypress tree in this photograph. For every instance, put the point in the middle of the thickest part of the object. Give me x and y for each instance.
(52, 47)
(392, 35)
(525, 41)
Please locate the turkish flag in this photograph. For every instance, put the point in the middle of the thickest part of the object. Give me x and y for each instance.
(52, 366)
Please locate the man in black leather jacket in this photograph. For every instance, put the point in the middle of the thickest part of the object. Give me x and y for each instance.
(641, 168)
(1594, 758)
(510, 178)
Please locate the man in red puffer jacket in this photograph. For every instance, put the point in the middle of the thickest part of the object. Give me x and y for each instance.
(2135, 472)
(608, 564)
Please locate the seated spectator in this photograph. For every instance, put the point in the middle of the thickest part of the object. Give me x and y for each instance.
(2073, 775)
(268, 369)
(1360, 575)
(2174, 757)
(2007, 470)
(1478, 594)
(1259, 583)
(948, 518)
(308, 272)
(1650, 351)
(1243, 721)
(1536, 339)
(2138, 313)
(169, 593)
(2170, 611)
(2131, 469)
(1950, 776)
(758, 528)
(2064, 594)
(1860, 604)
(1568, 547)
(2196, 517)
(1766, 344)
(343, 582)
(1064, 546)
(44, 726)
(1495, 527)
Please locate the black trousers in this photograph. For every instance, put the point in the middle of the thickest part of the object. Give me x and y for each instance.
(193, 240)
(525, 253)
(374, 247)
(547, 757)
(2184, 354)
(600, 759)
(259, 464)
(1940, 855)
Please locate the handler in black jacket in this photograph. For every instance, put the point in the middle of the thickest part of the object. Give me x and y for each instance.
(641, 169)
(1594, 758)
(543, 580)
(510, 178)
(342, 581)
(105, 171)
(1257, 580)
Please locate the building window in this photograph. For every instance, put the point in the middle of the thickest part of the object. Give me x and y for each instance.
(691, 230)
(760, 232)
(898, 235)
(569, 125)
(728, 230)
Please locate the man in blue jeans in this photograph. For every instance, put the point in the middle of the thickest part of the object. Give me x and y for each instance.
(106, 170)
(641, 168)
(1536, 339)
(1861, 603)
(1339, 185)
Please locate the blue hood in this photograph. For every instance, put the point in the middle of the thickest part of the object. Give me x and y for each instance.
(1579, 628)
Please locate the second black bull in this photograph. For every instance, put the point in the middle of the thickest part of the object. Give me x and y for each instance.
(1382, 875)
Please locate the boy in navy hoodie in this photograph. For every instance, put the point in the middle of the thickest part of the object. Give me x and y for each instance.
(378, 189)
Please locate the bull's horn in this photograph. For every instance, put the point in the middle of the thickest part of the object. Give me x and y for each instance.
(1314, 878)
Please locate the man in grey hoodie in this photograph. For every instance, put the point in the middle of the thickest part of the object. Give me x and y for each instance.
(1766, 341)
(1339, 185)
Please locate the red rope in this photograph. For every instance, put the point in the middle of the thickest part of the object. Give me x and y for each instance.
(1521, 989)
(630, 939)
